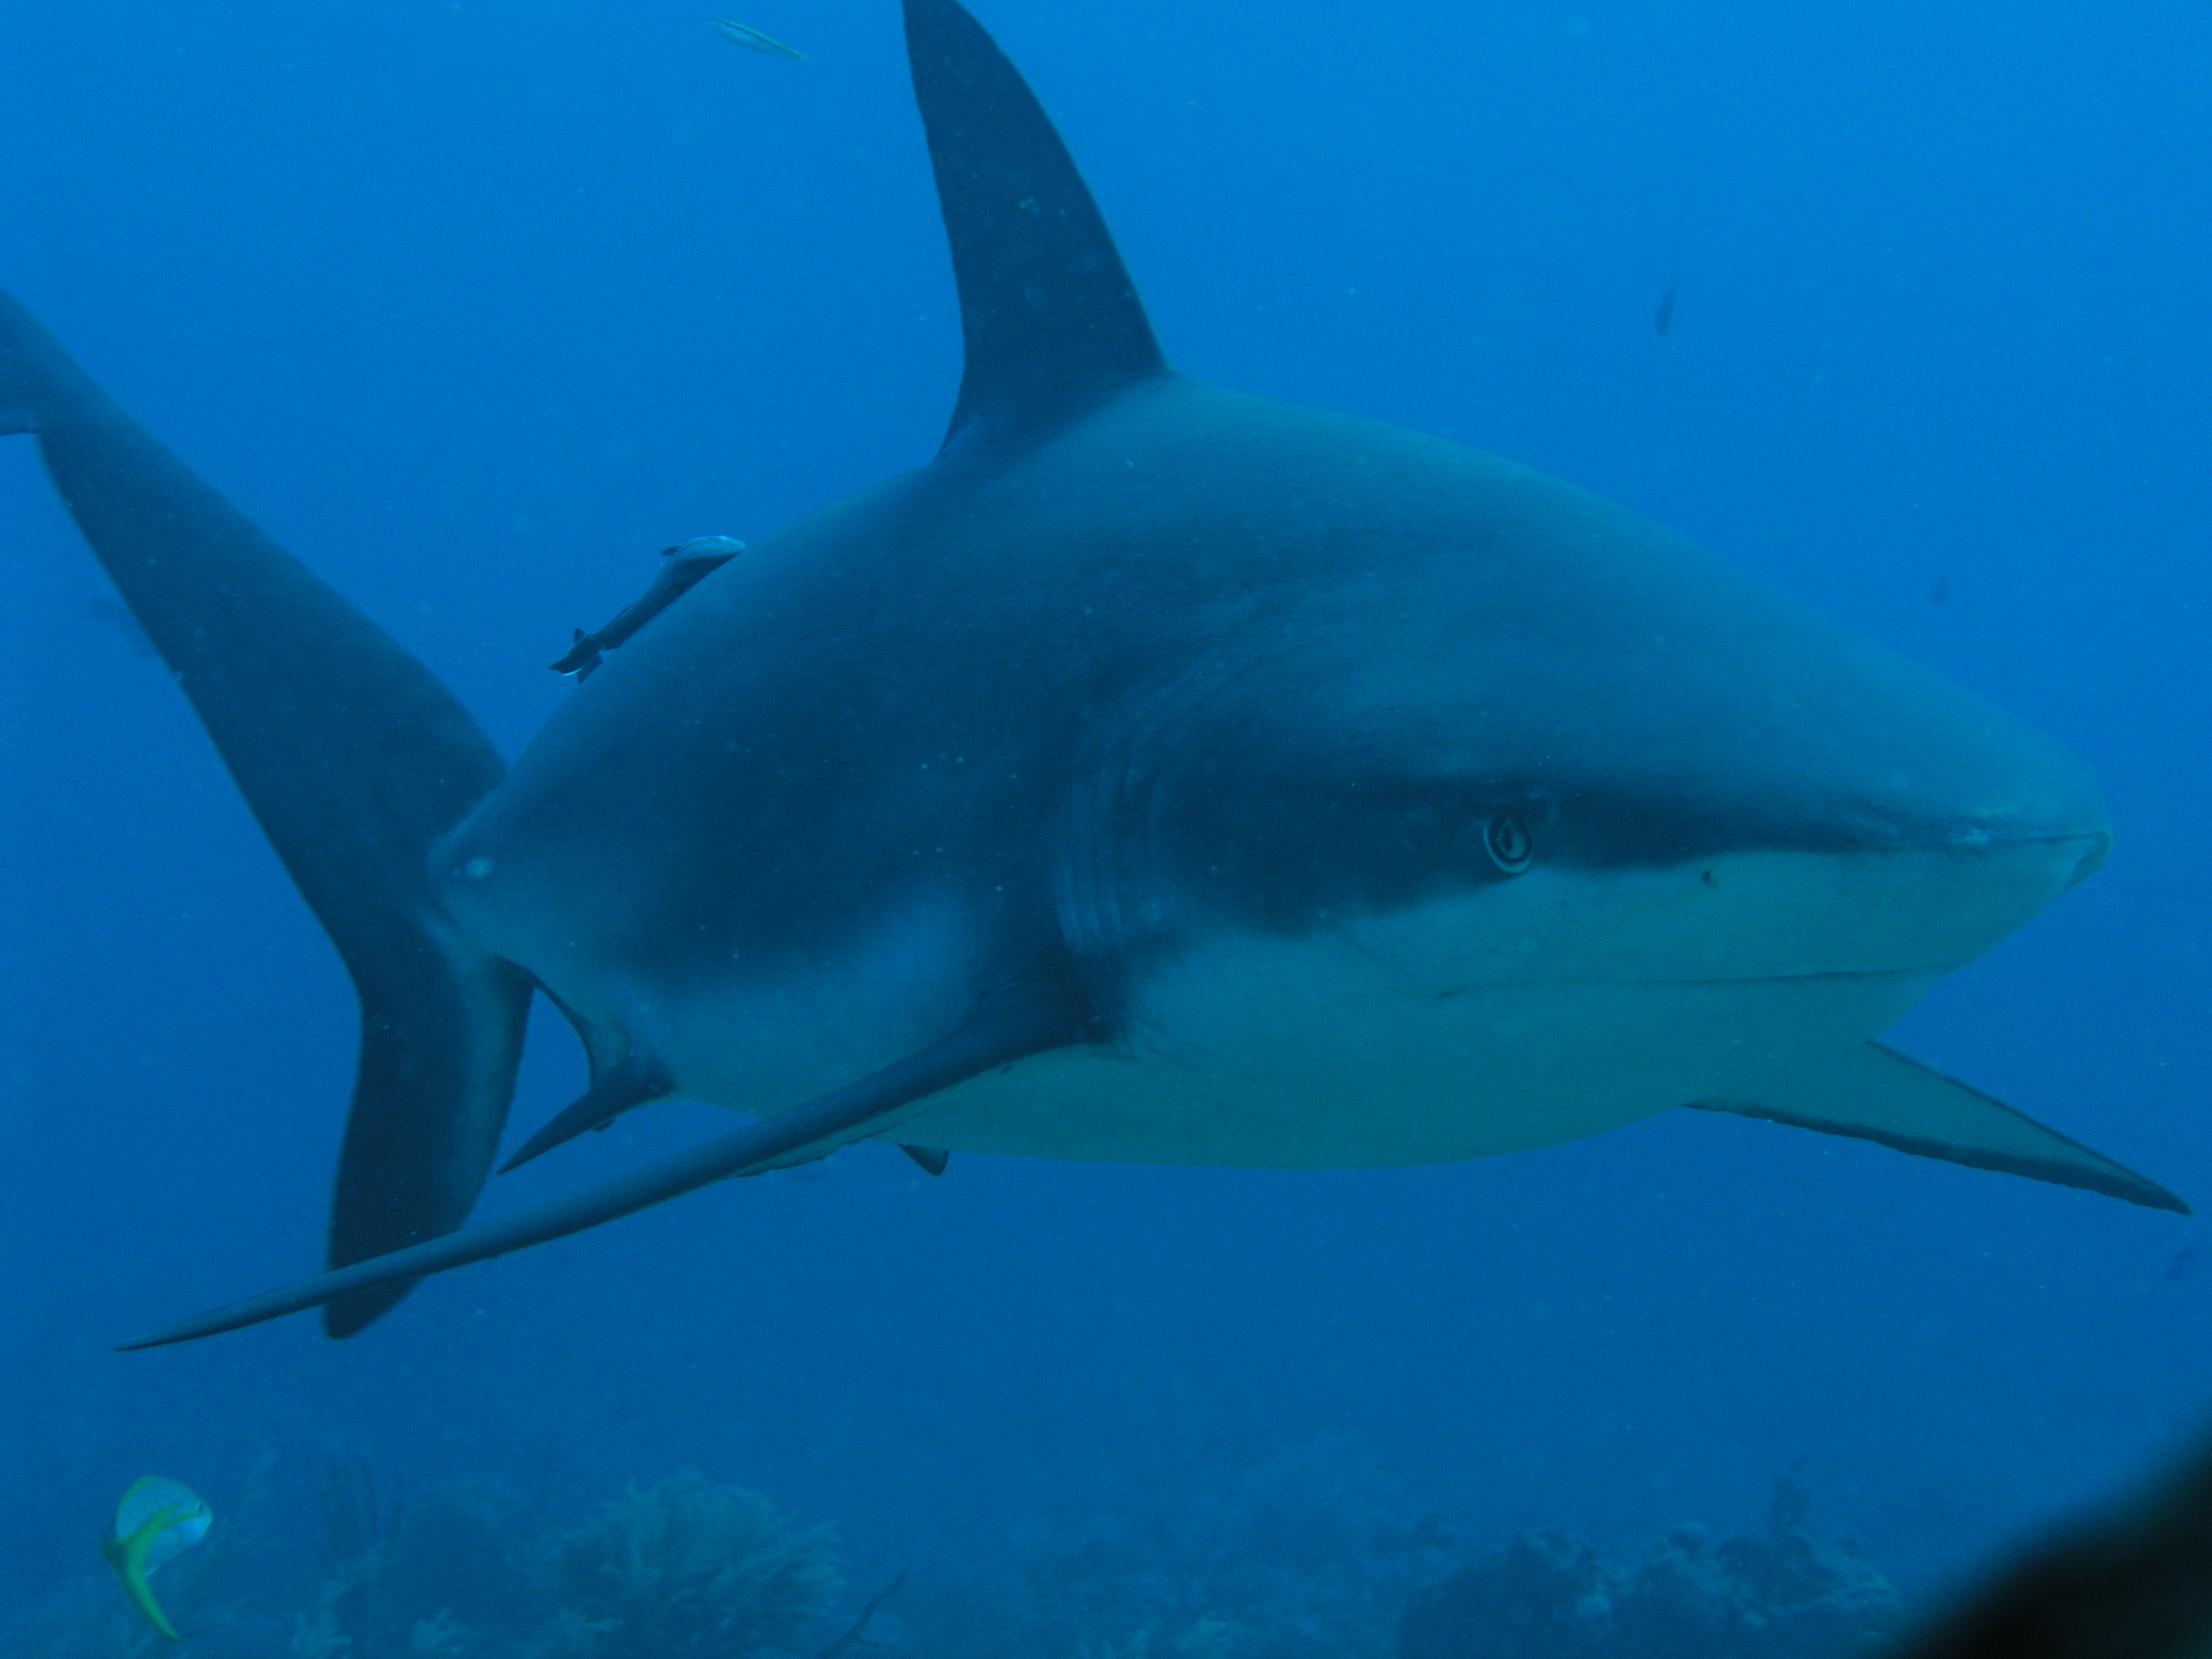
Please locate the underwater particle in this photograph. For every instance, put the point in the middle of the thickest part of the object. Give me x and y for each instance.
(752, 40)
(1663, 320)
(2181, 1265)
(157, 1521)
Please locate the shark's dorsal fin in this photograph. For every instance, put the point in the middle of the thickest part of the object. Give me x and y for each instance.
(1052, 323)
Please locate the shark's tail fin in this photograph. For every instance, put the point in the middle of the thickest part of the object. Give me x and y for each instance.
(37, 379)
(354, 760)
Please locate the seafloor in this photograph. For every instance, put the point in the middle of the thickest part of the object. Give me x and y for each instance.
(1306, 1556)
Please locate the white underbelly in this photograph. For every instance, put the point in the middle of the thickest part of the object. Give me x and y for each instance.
(1309, 1059)
(1530, 1012)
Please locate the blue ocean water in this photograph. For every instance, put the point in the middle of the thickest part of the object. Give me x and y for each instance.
(475, 305)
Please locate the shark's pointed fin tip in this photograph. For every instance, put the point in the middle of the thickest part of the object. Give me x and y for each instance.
(1871, 1092)
(932, 1160)
(354, 758)
(631, 1082)
(1051, 324)
(35, 373)
(1026, 1014)
(349, 1316)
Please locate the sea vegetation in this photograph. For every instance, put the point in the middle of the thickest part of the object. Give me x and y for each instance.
(1313, 1552)
(1308, 1553)
(682, 1569)
(685, 1569)
(1317, 1552)
(1779, 1594)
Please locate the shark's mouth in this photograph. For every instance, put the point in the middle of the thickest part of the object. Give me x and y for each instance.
(1739, 918)
(1845, 979)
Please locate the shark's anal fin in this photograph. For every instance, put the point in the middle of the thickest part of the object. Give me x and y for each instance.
(1022, 1016)
(932, 1160)
(1875, 1093)
(1051, 324)
(354, 760)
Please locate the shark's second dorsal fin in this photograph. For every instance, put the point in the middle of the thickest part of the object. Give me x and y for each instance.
(1052, 323)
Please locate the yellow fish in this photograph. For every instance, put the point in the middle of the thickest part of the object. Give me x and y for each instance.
(157, 1521)
(755, 40)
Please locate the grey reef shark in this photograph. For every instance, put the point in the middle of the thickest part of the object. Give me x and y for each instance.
(1158, 774)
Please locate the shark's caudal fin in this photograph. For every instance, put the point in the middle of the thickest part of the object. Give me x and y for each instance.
(353, 759)
(1873, 1093)
(1051, 324)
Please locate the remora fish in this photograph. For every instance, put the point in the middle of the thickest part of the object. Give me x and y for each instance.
(1157, 774)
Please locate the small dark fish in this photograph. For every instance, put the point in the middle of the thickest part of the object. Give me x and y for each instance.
(114, 613)
(752, 40)
(2181, 1265)
(1663, 320)
(1939, 591)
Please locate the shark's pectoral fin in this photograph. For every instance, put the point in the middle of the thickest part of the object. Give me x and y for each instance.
(932, 1159)
(1025, 1016)
(1877, 1094)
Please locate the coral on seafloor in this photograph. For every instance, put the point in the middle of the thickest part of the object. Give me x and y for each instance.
(682, 1569)
(1309, 1553)
(1313, 1552)
(686, 1567)
(1775, 1595)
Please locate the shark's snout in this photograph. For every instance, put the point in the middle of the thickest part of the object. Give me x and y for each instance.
(1993, 821)
(1960, 901)
(2019, 800)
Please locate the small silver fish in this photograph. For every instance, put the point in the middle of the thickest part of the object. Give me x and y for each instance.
(754, 40)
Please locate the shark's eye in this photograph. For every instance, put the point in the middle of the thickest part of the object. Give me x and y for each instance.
(1506, 839)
